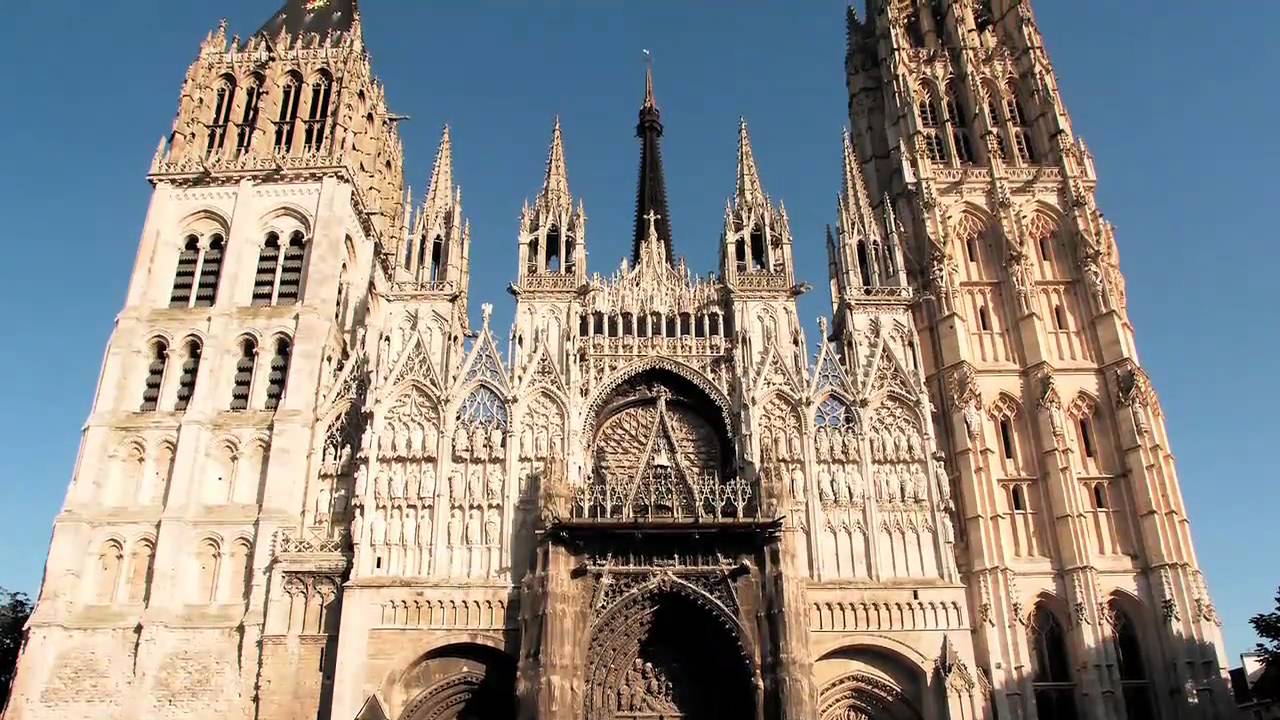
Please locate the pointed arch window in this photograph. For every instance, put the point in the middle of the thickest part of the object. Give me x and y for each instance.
(959, 122)
(1136, 686)
(223, 98)
(553, 249)
(278, 376)
(195, 280)
(864, 263)
(264, 281)
(1086, 437)
(984, 319)
(295, 253)
(318, 112)
(1021, 128)
(535, 253)
(249, 115)
(184, 278)
(1051, 680)
(290, 98)
(928, 111)
(1006, 439)
(438, 255)
(239, 571)
(158, 361)
(570, 253)
(242, 382)
(187, 378)
(740, 254)
(759, 250)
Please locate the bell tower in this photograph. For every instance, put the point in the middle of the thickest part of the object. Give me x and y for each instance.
(1055, 436)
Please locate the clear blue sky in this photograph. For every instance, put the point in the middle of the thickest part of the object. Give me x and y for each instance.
(1177, 100)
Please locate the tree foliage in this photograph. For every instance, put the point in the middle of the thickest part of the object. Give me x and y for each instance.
(15, 608)
(1267, 625)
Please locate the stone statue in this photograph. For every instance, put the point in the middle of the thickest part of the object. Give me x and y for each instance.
(412, 483)
(427, 489)
(378, 526)
(410, 528)
(397, 484)
(455, 528)
(323, 500)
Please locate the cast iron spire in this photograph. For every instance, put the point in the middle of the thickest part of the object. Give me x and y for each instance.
(651, 193)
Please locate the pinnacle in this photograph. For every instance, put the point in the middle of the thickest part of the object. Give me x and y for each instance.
(649, 102)
(555, 188)
(855, 189)
(441, 190)
(749, 190)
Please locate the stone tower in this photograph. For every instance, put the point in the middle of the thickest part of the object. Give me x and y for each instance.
(309, 489)
(1075, 546)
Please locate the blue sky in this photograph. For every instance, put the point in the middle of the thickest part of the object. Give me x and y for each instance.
(1176, 100)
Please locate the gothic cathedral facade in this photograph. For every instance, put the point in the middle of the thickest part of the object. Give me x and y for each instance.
(308, 489)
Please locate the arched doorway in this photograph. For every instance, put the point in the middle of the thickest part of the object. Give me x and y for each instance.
(461, 682)
(668, 653)
(862, 696)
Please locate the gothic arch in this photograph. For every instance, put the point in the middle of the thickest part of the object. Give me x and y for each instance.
(862, 695)
(654, 651)
(607, 389)
(471, 678)
(283, 219)
(202, 222)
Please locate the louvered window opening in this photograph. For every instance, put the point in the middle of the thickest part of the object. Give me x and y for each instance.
(221, 117)
(289, 100)
(318, 115)
(187, 378)
(184, 278)
(278, 376)
(264, 280)
(249, 119)
(291, 271)
(242, 383)
(210, 271)
(155, 377)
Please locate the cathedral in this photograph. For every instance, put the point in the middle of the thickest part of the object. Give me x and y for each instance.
(310, 489)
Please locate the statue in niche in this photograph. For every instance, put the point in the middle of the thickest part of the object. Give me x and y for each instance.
(495, 443)
(427, 488)
(920, 483)
(794, 446)
(837, 450)
(410, 528)
(944, 484)
(455, 528)
(362, 482)
(825, 493)
(904, 446)
(474, 527)
(496, 481)
(779, 445)
(357, 527)
(329, 460)
(323, 500)
(526, 444)
(456, 487)
(460, 442)
(417, 441)
(917, 453)
(477, 443)
(797, 485)
(904, 483)
(840, 489)
(766, 447)
(380, 487)
(855, 485)
(424, 526)
(394, 528)
(877, 447)
(378, 527)
(475, 485)
(397, 483)
(540, 446)
(822, 445)
(491, 527)
(412, 483)
(340, 503)
(851, 446)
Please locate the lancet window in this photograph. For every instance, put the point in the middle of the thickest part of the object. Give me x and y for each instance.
(249, 115)
(223, 98)
(1020, 128)
(553, 249)
(157, 363)
(1134, 681)
(959, 125)
(290, 99)
(318, 112)
(139, 583)
(1052, 680)
(208, 563)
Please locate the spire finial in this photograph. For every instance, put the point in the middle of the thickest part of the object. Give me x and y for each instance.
(440, 191)
(555, 187)
(855, 197)
(649, 102)
(749, 190)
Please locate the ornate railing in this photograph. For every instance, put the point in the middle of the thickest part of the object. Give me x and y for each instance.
(549, 282)
(762, 281)
(423, 286)
(662, 495)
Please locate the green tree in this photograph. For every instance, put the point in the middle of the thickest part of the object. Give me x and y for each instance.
(15, 608)
(1267, 625)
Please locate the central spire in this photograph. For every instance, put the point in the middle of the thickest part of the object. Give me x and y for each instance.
(651, 192)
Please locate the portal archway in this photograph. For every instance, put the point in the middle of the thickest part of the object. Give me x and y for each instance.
(461, 682)
(668, 653)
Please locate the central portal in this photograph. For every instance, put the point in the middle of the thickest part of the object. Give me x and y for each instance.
(663, 655)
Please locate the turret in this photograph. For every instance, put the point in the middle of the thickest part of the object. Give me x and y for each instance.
(552, 231)
(756, 254)
(435, 259)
